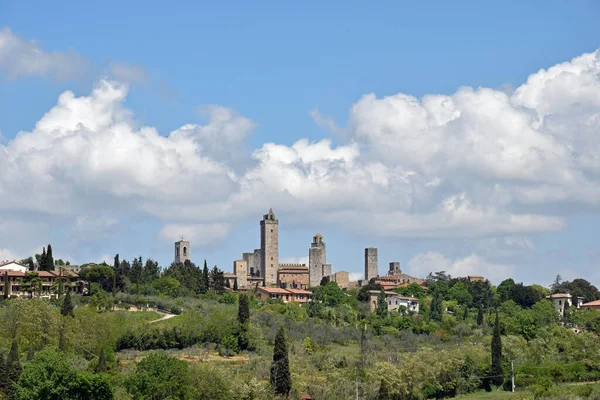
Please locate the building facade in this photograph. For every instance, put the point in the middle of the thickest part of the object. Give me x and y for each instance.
(394, 301)
(293, 276)
(254, 263)
(182, 251)
(285, 295)
(269, 247)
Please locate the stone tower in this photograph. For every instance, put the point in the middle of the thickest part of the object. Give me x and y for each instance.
(371, 266)
(182, 251)
(269, 248)
(317, 259)
(394, 268)
(240, 269)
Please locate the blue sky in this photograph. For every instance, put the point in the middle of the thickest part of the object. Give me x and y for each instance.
(271, 63)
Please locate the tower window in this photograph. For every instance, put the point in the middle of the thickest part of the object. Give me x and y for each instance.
(271, 230)
(185, 251)
(271, 258)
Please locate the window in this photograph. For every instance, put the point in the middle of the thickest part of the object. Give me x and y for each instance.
(185, 251)
(271, 258)
(560, 303)
(271, 230)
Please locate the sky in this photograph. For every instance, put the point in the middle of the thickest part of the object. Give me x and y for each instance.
(452, 136)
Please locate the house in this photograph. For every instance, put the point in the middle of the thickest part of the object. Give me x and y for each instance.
(562, 299)
(49, 283)
(12, 266)
(475, 278)
(285, 295)
(394, 301)
(593, 305)
(293, 276)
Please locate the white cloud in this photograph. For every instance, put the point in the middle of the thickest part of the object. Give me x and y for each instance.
(424, 263)
(19, 58)
(478, 163)
(199, 234)
(7, 255)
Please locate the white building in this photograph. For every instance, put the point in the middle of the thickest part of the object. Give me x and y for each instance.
(562, 299)
(12, 266)
(394, 300)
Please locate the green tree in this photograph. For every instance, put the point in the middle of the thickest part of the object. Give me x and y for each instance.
(116, 267)
(60, 283)
(235, 285)
(206, 276)
(30, 265)
(382, 304)
(502, 290)
(281, 380)
(6, 283)
(363, 293)
(3, 377)
(101, 367)
(50, 376)
(41, 259)
(67, 308)
(218, 280)
(437, 306)
(497, 373)
(167, 286)
(159, 376)
(525, 296)
(31, 283)
(243, 309)
(480, 316)
(460, 293)
(49, 262)
(13, 364)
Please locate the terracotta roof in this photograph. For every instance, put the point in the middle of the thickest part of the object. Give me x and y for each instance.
(274, 290)
(559, 296)
(298, 291)
(318, 235)
(46, 274)
(12, 273)
(591, 303)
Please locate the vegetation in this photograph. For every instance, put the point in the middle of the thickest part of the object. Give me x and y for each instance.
(226, 344)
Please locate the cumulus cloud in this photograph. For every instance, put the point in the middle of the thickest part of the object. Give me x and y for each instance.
(127, 73)
(424, 263)
(477, 163)
(19, 57)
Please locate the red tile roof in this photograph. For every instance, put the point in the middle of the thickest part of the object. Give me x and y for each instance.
(274, 290)
(591, 303)
(299, 291)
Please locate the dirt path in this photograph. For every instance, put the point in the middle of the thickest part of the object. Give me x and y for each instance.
(165, 317)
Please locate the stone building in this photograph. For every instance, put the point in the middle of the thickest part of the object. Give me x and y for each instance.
(394, 268)
(293, 276)
(254, 263)
(341, 278)
(269, 247)
(371, 263)
(182, 251)
(240, 269)
(317, 261)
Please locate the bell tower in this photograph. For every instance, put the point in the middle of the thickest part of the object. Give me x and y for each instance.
(182, 251)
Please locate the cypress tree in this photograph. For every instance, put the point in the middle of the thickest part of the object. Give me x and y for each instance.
(206, 276)
(49, 259)
(13, 364)
(480, 316)
(227, 284)
(30, 265)
(3, 377)
(235, 285)
(243, 310)
(60, 282)
(101, 367)
(42, 262)
(436, 312)
(281, 380)
(466, 313)
(384, 391)
(116, 266)
(6, 283)
(382, 307)
(67, 305)
(497, 373)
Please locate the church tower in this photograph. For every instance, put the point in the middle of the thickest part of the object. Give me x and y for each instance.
(182, 251)
(269, 248)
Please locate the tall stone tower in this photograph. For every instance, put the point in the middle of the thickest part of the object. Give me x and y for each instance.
(395, 268)
(269, 247)
(371, 266)
(317, 259)
(182, 251)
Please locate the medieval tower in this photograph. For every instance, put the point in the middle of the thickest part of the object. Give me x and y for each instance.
(371, 266)
(269, 248)
(317, 261)
(182, 251)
